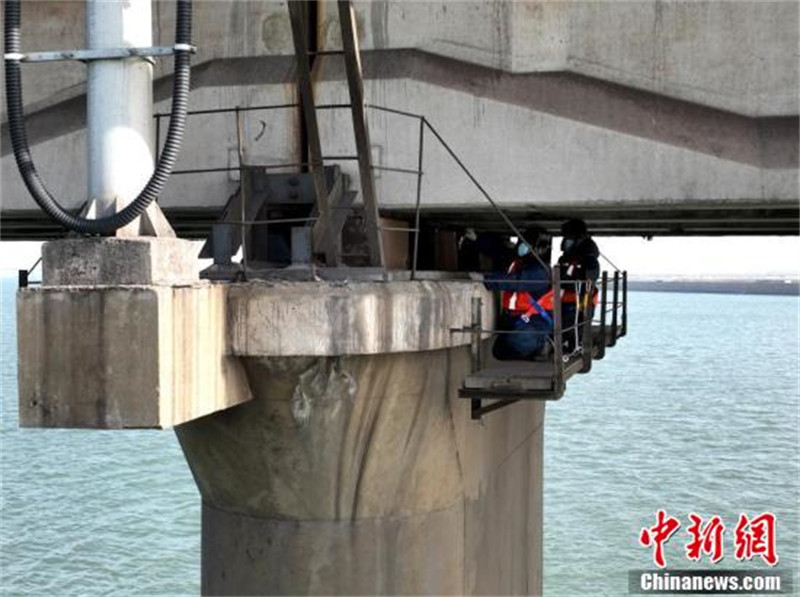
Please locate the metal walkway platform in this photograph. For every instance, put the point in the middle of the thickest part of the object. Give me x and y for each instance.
(505, 382)
(521, 380)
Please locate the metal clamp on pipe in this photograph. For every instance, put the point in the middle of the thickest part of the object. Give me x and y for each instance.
(100, 54)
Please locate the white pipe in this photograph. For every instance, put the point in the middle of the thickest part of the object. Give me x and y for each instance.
(119, 103)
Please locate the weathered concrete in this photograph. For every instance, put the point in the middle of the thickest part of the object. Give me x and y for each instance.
(117, 261)
(365, 475)
(271, 319)
(582, 108)
(737, 56)
(551, 148)
(356, 469)
(124, 356)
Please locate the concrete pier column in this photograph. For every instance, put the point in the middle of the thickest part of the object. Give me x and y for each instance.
(356, 468)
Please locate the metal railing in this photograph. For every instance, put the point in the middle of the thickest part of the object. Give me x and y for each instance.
(424, 126)
(592, 332)
(23, 275)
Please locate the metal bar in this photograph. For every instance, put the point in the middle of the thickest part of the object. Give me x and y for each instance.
(242, 187)
(340, 204)
(483, 191)
(229, 110)
(23, 275)
(488, 332)
(98, 54)
(394, 111)
(587, 340)
(35, 263)
(352, 59)
(236, 168)
(558, 342)
(475, 350)
(485, 410)
(601, 351)
(523, 283)
(392, 169)
(611, 263)
(395, 229)
(207, 170)
(572, 328)
(615, 309)
(419, 197)
(333, 107)
(274, 221)
(306, 93)
(325, 53)
(624, 329)
(340, 158)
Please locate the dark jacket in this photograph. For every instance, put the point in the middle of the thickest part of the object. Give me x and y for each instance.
(533, 278)
(584, 256)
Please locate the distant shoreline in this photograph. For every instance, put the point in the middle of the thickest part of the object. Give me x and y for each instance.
(758, 287)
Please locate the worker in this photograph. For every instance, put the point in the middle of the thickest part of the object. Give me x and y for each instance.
(485, 252)
(579, 268)
(526, 300)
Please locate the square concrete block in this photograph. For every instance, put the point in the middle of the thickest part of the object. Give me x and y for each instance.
(124, 357)
(119, 261)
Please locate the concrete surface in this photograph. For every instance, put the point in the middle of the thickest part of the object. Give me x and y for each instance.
(124, 356)
(555, 146)
(117, 261)
(349, 318)
(355, 468)
(736, 56)
(579, 106)
(365, 475)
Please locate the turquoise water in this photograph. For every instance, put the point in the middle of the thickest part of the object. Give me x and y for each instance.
(696, 410)
(91, 512)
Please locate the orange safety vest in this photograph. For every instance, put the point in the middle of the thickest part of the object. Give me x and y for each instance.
(569, 297)
(520, 302)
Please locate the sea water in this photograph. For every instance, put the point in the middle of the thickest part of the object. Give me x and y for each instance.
(696, 410)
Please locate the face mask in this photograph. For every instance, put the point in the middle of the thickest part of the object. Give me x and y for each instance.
(568, 243)
(523, 249)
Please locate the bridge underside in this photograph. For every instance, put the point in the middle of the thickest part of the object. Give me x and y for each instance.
(547, 146)
(195, 223)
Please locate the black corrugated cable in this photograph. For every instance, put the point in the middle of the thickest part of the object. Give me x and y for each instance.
(167, 158)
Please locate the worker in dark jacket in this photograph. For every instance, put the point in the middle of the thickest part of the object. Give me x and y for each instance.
(580, 268)
(526, 300)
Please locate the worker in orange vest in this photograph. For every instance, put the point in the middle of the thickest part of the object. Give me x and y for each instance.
(526, 300)
(580, 268)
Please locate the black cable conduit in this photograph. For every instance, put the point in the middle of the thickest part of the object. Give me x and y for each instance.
(167, 157)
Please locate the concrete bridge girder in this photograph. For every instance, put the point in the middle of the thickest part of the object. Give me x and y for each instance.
(528, 157)
(735, 56)
(643, 134)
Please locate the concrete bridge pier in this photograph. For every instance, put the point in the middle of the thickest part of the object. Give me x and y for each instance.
(320, 419)
(362, 473)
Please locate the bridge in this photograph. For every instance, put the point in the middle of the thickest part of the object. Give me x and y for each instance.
(343, 419)
(648, 118)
